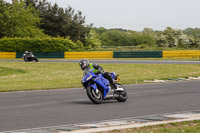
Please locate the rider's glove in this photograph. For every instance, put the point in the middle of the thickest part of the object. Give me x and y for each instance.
(98, 72)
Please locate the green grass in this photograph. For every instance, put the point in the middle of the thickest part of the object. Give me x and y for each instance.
(4, 71)
(56, 75)
(182, 127)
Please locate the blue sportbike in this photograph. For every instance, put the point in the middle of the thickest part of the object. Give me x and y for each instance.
(99, 88)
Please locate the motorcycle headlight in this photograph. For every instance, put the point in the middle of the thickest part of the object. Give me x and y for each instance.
(89, 77)
(82, 80)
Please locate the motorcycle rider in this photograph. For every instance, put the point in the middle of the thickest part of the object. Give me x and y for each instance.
(85, 66)
(27, 54)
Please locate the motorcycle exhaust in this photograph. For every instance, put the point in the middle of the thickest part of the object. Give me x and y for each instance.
(111, 95)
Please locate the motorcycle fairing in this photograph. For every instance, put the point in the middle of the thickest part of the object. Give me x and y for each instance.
(104, 83)
(99, 80)
(94, 86)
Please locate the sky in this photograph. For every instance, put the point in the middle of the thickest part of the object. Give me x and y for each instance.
(137, 14)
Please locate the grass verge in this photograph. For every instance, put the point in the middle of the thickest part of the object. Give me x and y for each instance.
(182, 127)
(56, 75)
(4, 71)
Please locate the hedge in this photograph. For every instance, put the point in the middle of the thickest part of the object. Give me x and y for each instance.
(37, 45)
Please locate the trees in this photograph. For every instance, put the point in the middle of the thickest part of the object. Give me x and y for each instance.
(28, 18)
(195, 34)
(114, 37)
(148, 38)
(2, 18)
(145, 39)
(20, 21)
(174, 38)
(79, 30)
(63, 22)
(117, 38)
(192, 32)
(92, 40)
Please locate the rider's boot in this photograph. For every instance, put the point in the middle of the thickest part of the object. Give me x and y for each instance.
(113, 86)
(112, 83)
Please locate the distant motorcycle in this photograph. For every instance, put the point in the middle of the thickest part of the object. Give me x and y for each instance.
(98, 88)
(28, 58)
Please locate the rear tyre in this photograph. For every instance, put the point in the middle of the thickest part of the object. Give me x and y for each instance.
(94, 96)
(123, 95)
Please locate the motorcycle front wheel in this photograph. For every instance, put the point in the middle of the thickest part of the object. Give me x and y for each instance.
(94, 96)
(36, 60)
(123, 95)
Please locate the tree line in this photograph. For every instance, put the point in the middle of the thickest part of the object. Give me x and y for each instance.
(41, 19)
(188, 38)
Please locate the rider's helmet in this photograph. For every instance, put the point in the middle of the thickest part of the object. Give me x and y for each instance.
(26, 52)
(83, 63)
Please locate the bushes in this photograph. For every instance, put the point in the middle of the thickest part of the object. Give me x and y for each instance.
(37, 45)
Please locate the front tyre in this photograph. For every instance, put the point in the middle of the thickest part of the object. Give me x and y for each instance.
(36, 60)
(123, 95)
(94, 96)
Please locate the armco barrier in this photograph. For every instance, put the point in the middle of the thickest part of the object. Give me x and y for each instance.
(7, 55)
(44, 55)
(107, 54)
(181, 54)
(88, 55)
(138, 54)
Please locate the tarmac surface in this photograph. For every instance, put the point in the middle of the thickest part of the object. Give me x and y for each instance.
(34, 109)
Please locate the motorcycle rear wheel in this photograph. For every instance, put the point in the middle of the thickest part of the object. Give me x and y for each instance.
(123, 96)
(95, 97)
(26, 60)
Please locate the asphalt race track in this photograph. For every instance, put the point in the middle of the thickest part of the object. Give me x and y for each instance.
(119, 61)
(32, 109)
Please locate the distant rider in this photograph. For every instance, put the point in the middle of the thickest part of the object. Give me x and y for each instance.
(27, 54)
(86, 66)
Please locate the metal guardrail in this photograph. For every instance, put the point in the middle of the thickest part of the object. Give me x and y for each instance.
(138, 54)
(107, 54)
(181, 54)
(43, 55)
(89, 55)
